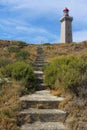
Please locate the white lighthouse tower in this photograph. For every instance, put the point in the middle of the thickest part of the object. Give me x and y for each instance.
(66, 27)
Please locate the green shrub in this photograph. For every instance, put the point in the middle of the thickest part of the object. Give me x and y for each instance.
(4, 62)
(22, 55)
(22, 72)
(6, 71)
(70, 74)
(19, 43)
(13, 49)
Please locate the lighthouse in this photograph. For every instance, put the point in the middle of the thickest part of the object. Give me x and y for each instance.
(66, 27)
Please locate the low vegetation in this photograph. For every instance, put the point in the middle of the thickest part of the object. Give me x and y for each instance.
(17, 51)
(65, 74)
(16, 79)
(20, 71)
(9, 105)
(68, 74)
(52, 51)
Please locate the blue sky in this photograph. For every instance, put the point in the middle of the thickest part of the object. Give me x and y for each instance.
(37, 21)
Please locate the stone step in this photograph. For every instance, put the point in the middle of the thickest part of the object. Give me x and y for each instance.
(38, 65)
(38, 73)
(39, 79)
(40, 98)
(41, 60)
(50, 104)
(40, 51)
(40, 55)
(38, 68)
(42, 115)
(41, 86)
(43, 95)
(44, 126)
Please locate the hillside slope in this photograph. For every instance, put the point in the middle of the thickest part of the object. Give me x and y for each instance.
(53, 50)
(76, 106)
(17, 51)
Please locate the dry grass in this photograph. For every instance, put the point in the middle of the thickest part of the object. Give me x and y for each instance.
(9, 94)
(66, 101)
(53, 50)
(56, 92)
(77, 112)
(9, 106)
(32, 49)
(4, 50)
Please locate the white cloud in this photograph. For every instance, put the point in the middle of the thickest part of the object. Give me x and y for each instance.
(38, 34)
(31, 29)
(78, 8)
(24, 10)
(79, 36)
(34, 8)
(46, 4)
(14, 29)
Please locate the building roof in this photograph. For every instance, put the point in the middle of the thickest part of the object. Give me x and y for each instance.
(66, 9)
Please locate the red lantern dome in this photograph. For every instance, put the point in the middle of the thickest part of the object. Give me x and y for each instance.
(66, 9)
(66, 12)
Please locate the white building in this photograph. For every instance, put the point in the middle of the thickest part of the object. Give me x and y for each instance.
(66, 27)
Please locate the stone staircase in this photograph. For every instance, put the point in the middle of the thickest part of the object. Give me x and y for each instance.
(38, 69)
(40, 109)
